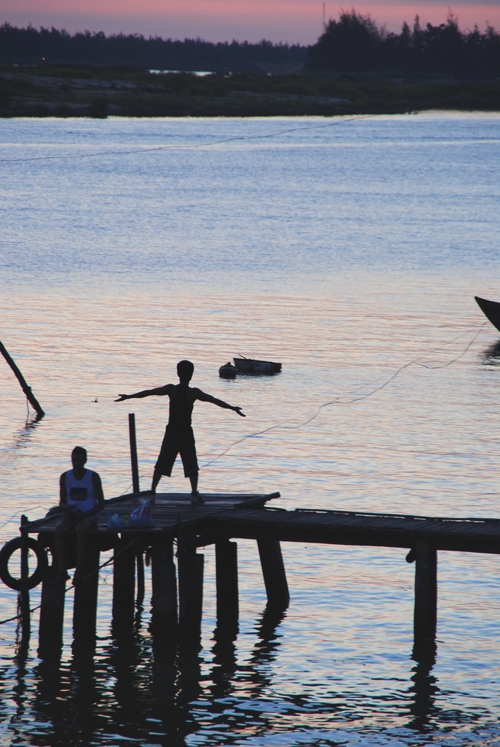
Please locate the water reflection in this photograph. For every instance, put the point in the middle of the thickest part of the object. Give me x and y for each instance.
(25, 434)
(424, 688)
(491, 356)
(158, 689)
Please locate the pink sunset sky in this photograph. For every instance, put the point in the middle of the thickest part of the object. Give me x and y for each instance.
(223, 20)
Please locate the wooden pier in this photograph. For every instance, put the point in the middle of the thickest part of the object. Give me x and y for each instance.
(177, 587)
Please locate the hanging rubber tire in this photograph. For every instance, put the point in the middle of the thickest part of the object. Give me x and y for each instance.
(6, 553)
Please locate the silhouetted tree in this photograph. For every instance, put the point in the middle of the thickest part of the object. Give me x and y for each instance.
(356, 43)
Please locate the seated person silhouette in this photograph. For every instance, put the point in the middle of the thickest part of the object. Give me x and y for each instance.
(80, 498)
(179, 437)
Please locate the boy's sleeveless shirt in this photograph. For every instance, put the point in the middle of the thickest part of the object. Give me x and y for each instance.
(80, 493)
(181, 407)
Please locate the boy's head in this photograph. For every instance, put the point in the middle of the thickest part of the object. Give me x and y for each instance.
(79, 456)
(185, 370)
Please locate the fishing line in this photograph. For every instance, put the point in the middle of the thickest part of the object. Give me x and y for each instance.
(354, 399)
(234, 138)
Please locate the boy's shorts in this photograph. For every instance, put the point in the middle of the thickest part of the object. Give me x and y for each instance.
(177, 441)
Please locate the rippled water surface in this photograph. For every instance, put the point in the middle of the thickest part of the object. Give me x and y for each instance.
(350, 251)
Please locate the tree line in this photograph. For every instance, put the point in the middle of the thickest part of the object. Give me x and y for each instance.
(355, 43)
(31, 46)
(352, 43)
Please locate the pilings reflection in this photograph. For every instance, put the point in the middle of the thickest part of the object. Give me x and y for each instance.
(156, 686)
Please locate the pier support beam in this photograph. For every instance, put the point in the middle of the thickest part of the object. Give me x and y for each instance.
(226, 570)
(50, 631)
(164, 601)
(190, 585)
(425, 613)
(85, 606)
(124, 583)
(273, 570)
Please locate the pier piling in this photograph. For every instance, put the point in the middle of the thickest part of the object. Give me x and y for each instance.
(124, 582)
(226, 571)
(50, 631)
(164, 598)
(85, 606)
(190, 565)
(273, 570)
(425, 612)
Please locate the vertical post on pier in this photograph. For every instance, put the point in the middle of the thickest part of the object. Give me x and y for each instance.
(50, 631)
(226, 573)
(425, 612)
(133, 452)
(123, 583)
(164, 599)
(273, 570)
(24, 596)
(190, 585)
(85, 606)
(139, 557)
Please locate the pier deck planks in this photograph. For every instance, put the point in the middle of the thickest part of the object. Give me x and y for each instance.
(227, 515)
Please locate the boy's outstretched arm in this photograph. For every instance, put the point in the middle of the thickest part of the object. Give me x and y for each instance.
(160, 391)
(219, 402)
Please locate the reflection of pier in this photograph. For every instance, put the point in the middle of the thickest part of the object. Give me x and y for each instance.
(177, 588)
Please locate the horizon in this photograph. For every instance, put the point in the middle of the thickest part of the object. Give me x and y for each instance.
(298, 23)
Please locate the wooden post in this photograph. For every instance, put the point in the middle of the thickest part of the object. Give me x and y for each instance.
(274, 574)
(190, 585)
(26, 389)
(133, 452)
(24, 596)
(50, 631)
(425, 613)
(139, 557)
(164, 600)
(123, 583)
(85, 606)
(226, 571)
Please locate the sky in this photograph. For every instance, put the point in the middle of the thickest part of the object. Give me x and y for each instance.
(292, 21)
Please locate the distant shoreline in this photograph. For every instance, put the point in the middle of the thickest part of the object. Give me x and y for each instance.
(103, 92)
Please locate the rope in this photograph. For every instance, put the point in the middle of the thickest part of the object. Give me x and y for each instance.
(354, 399)
(346, 120)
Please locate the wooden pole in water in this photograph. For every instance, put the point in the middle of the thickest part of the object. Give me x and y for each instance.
(425, 612)
(85, 606)
(133, 452)
(226, 573)
(273, 570)
(24, 386)
(190, 585)
(164, 599)
(25, 593)
(123, 583)
(50, 631)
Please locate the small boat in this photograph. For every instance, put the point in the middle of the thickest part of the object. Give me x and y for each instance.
(227, 371)
(251, 366)
(491, 310)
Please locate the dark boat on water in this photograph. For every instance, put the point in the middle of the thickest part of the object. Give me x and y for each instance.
(252, 366)
(249, 366)
(491, 310)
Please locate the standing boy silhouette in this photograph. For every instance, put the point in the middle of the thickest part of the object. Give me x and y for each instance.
(179, 437)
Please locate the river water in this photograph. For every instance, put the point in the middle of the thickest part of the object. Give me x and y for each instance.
(350, 250)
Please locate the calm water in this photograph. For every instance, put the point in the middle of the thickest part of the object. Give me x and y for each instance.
(346, 251)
